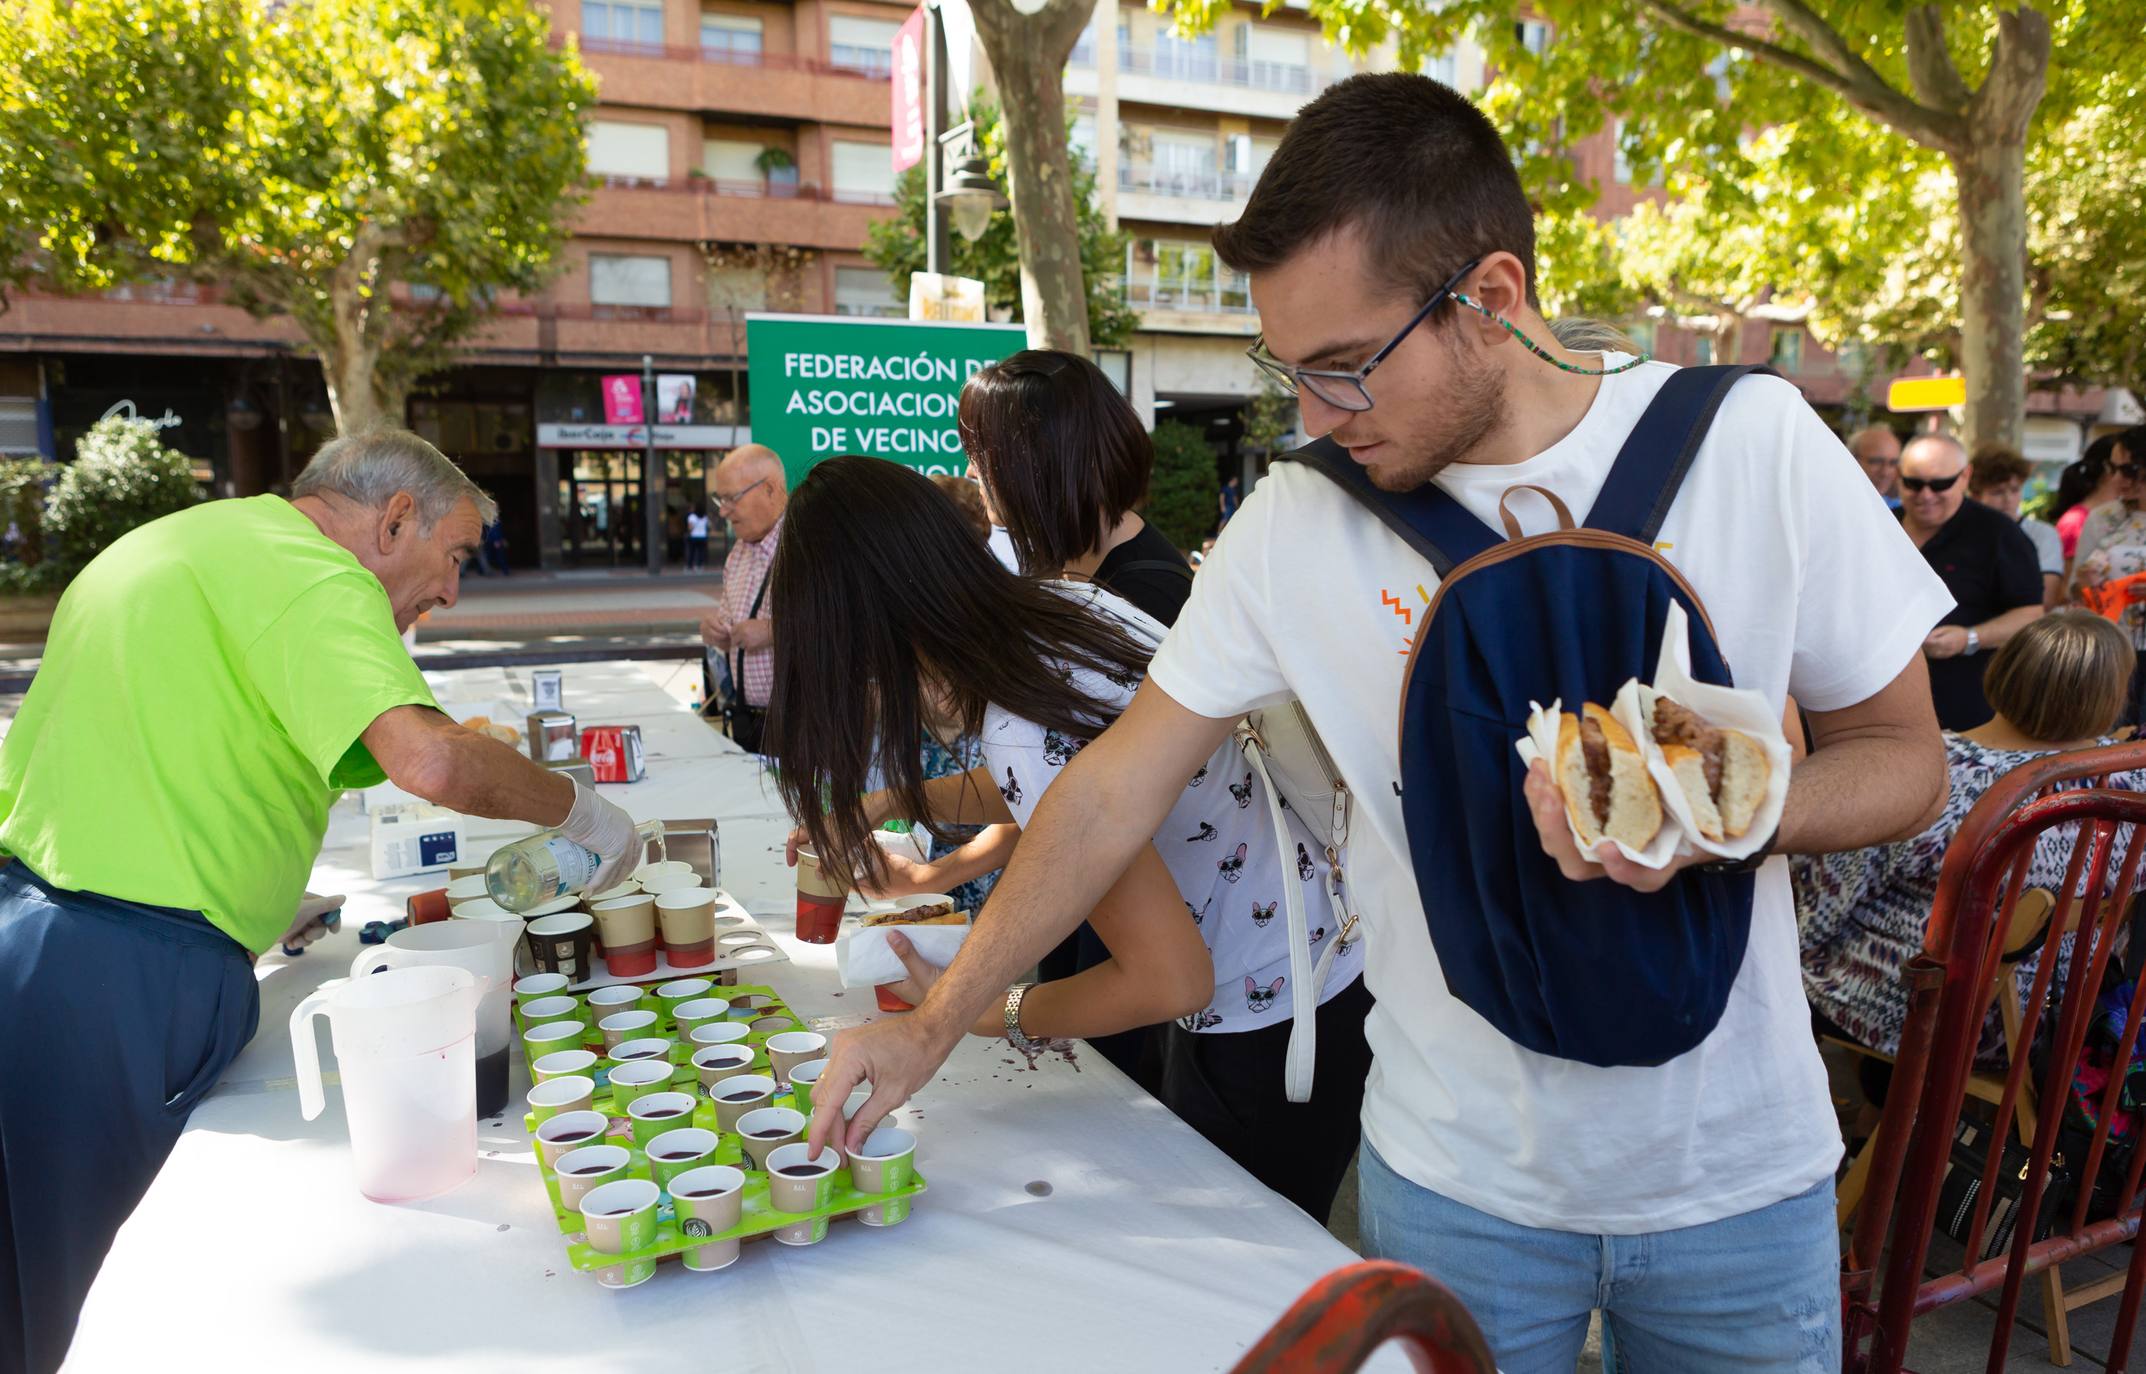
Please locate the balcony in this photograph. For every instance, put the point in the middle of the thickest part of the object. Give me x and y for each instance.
(1214, 302)
(1188, 77)
(720, 78)
(735, 212)
(1170, 196)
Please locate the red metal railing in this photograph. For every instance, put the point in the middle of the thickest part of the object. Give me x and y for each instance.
(1948, 997)
(724, 57)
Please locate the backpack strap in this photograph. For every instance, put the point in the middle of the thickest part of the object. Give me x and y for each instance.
(1427, 520)
(1156, 565)
(1656, 456)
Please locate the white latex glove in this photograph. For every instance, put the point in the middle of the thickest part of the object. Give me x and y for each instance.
(607, 831)
(307, 924)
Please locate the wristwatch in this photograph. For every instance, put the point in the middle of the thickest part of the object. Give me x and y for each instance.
(1974, 641)
(1014, 1034)
(1750, 863)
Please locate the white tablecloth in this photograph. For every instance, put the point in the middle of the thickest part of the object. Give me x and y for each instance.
(1072, 1222)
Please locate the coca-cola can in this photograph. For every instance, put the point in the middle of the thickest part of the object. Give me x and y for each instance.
(614, 752)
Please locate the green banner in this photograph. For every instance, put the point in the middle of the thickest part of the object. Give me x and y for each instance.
(828, 385)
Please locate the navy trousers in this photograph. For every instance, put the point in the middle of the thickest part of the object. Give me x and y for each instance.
(126, 1015)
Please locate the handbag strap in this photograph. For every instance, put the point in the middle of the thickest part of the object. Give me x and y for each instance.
(1303, 1052)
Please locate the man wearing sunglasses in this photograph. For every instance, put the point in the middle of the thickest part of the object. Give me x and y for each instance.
(1988, 564)
(1391, 254)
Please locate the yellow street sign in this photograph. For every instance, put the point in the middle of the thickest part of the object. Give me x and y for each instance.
(1926, 393)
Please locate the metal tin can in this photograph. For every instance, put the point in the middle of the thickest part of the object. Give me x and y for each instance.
(552, 737)
(614, 751)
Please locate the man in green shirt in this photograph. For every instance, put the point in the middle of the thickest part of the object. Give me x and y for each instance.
(211, 684)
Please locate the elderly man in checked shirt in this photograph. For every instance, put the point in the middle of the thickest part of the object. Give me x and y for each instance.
(750, 493)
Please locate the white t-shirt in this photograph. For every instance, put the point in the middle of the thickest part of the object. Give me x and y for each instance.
(1218, 843)
(2048, 544)
(1001, 546)
(1814, 590)
(696, 524)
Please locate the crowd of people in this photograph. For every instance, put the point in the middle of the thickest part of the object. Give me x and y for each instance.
(1016, 661)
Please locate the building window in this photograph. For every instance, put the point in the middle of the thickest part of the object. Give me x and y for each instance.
(866, 291)
(1641, 333)
(1166, 274)
(621, 282)
(1702, 351)
(622, 26)
(1083, 54)
(1186, 59)
(864, 173)
(631, 153)
(861, 45)
(1081, 142)
(1279, 59)
(1443, 69)
(1532, 34)
(1620, 162)
(733, 38)
(737, 289)
(1787, 355)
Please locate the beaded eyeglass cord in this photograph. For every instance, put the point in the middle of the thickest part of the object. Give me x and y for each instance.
(1539, 351)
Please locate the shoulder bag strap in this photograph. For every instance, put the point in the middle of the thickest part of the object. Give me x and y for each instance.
(1303, 1053)
(737, 663)
(1427, 520)
(1656, 456)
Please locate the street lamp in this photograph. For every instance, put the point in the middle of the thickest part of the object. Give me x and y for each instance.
(971, 196)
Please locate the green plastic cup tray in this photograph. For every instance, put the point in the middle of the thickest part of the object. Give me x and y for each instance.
(665, 1027)
(757, 1216)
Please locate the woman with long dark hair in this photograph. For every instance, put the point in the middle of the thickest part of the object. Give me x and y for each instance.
(898, 621)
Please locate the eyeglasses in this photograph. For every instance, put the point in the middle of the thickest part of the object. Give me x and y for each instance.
(1930, 483)
(2127, 471)
(723, 502)
(1344, 390)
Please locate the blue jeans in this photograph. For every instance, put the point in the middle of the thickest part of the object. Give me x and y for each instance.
(1756, 1292)
(126, 1015)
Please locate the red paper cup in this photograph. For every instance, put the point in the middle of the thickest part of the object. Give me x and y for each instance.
(818, 918)
(888, 1001)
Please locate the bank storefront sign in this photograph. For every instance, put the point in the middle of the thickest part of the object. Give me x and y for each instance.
(826, 385)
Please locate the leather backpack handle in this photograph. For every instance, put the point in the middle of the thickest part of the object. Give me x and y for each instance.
(1557, 504)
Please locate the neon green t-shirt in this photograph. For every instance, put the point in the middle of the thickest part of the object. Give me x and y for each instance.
(197, 712)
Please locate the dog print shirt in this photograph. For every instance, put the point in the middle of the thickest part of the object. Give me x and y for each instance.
(1218, 843)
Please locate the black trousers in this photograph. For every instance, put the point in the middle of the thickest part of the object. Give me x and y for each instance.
(1230, 1089)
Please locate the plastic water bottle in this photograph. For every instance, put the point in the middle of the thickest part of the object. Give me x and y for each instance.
(547, 866)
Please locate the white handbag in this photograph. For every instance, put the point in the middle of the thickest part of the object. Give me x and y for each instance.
(1280, 745)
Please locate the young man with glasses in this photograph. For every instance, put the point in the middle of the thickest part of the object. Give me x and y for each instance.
(1391, 254)
(1988, 564)
(751, 494)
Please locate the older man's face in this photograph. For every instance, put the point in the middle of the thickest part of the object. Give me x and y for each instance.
(1879, 453)
(751, 496)
(1933, 481)
(422, 569)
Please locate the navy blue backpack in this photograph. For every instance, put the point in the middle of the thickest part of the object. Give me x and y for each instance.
(1589, 971)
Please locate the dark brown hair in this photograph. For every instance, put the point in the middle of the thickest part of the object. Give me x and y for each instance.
(1995, 464)
(968, 498)
(2066, 676)
(1410, 163)
(878, 580)
(1062, 452)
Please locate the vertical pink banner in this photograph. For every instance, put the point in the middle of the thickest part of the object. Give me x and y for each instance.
(909, 92)
(622, 399)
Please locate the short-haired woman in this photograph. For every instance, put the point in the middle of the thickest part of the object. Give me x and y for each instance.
(1064, 460)
(2059, 684)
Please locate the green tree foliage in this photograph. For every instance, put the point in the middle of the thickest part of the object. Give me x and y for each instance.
(1184, 494)
(896, 244)
(121, 477)
(1268, 416)
(1894, 161)
(309, 157)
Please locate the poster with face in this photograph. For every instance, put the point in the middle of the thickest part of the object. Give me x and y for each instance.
(674, 398)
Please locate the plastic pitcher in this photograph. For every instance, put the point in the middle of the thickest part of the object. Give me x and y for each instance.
(485, 948)
(406, 1045)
